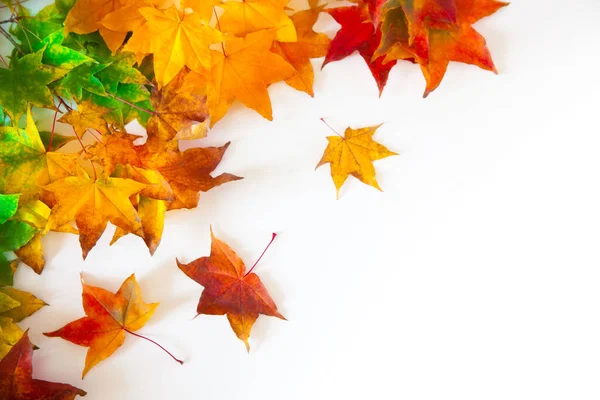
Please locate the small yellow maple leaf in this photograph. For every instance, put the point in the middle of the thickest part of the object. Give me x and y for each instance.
(353, 154)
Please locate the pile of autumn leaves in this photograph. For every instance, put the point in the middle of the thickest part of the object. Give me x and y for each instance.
(177, 67)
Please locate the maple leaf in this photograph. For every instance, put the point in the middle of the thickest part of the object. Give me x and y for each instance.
(13, 235)
(359, 32)
(120, 71)
(92, 203)
(26, 82)
(22, 304)
(10, 333)
(446, 42)
(58, 55)
(26, 164)
(80, 80)
(114, 149)
(419, 13)
(174, 180)
(8, 207)
(229, 289)
(353, 154)
(87, 116)
(152, 204)
(17, 383)
(188, 172)
(243, 17)
(108, 317)
(15, 305)
(86, 16)
(178, 106)
(176, 38)
(310, 44)
(243, 71)
(36, 214)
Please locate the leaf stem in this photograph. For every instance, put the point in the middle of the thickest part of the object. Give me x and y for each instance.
(52, 133)
(220, 30)
(263, 253)
(329, 126)
(86, 152)
(152, 341)
(10, 20)
(133, 105)
(7, 35)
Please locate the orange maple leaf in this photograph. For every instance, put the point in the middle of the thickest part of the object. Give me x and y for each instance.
(108, 317)
(86, 17)
(310, 44)
(243, 71)
(177, 37)
(229, 289)
(91, 203)
(248, 16)
(177, 106)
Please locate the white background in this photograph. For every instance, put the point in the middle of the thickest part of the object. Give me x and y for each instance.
(475, 275)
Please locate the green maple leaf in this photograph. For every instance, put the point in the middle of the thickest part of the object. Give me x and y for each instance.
(3, 118)
(8, 206)
(31, 29)
(58, 55)
(13, 235)
(26, 82)
(64, 6)
(121, 71)
(80, 79)
(46, 30)
(26, 165)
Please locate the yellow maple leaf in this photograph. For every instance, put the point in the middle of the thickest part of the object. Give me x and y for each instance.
(92, 203)
(243, 71)
(87, 116)
(177, 38)
(353, 154)
(86, 15)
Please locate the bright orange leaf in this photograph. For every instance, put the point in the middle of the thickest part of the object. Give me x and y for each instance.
(177, 38)
(92, 203)
(243, 71)
(248, 16)
(310, 44)
(108, 317)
